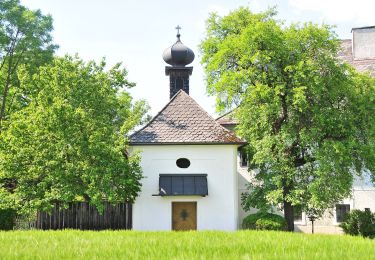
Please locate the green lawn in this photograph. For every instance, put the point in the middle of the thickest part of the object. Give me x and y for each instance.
(181, 245)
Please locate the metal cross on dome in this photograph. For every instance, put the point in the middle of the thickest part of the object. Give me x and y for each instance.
(178, 28)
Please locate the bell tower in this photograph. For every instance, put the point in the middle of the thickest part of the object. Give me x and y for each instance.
(178, 56)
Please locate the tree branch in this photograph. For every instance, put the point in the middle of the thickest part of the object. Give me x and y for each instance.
(8, 79)
(284, 115)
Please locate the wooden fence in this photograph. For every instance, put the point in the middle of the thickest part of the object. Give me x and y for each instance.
(22, 223)
(84, 216)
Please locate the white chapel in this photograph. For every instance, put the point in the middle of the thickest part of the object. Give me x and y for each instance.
(188, 159)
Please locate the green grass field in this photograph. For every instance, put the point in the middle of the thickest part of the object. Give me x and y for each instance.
(181, 245)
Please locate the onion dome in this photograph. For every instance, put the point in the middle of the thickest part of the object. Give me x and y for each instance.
(178, 54)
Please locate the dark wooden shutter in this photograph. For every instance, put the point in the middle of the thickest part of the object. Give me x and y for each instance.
(183, 184)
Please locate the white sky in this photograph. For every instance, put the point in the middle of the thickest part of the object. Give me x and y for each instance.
(136, 33)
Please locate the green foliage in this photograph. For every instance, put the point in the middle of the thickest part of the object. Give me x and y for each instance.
(7, 217)
(69, 144)
(75, 244)
(359, 222)
(264, 221)
(273, 223)
(307, 116)
(25, 41)
(249, 221)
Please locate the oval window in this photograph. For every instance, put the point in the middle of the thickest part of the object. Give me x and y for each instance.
(183, 163)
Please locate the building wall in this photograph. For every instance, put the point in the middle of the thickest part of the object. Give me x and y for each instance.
(364, 43)
(363, 196)
(217, 211)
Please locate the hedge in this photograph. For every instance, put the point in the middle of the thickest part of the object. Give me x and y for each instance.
(359, 222)
(264, 221)
(7, 218)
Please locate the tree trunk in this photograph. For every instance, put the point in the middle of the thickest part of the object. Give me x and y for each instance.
(3, 104)
(10, 71)
(5, 92)
(289, 215)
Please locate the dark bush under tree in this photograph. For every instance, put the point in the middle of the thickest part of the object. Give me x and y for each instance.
(264, 221)
(7, 217)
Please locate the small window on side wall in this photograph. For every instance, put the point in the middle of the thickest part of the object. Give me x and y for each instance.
(243, 157)
(183, 163)
(341, 211)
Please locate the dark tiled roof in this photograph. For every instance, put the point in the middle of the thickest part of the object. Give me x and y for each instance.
(183, 121)
(361, 65)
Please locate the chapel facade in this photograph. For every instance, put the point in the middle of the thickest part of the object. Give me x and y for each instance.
(188, 159)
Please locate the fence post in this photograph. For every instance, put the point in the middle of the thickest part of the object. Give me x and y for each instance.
(130, 216)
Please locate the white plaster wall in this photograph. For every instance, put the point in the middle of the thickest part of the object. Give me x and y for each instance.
(363, 192)
(217, 211)
(364, 199)
(364, 43)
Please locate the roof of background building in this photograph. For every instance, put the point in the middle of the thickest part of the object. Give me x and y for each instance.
(183, 121)
(227, 119)
(363, 27)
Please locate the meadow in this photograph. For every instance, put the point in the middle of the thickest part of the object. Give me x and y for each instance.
(76, 244)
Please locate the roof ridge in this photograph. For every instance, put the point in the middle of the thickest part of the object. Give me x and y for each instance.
(153, 119)
(215, 122)
(227, 113)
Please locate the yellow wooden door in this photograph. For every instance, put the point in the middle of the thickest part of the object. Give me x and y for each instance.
(184, 215)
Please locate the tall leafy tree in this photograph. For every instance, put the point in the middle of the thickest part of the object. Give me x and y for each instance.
(25, 40)
(307, 116)
(69, 144)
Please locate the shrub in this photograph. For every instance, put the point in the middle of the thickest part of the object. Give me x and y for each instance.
(264, 221)
(359, 222)
(7, 217)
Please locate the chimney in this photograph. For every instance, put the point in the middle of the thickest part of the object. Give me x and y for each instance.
(363, 43)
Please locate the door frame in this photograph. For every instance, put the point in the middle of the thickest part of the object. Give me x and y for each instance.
(196, 213)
